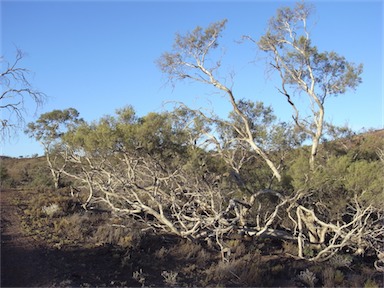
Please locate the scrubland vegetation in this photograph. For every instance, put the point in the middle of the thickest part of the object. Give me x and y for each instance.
(183, 198)
(57, 219)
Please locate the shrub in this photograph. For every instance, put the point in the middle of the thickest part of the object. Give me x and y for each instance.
(108, 233)
(51, 210)
(328, 277)
(371, 284)
(366, 179)
(340, 260)
(244, 271)
(308, 278)
(339, 277)
(170, 278)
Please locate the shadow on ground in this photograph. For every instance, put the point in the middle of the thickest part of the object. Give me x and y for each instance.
(23, 267)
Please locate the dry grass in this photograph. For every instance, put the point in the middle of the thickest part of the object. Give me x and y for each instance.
(186, 263)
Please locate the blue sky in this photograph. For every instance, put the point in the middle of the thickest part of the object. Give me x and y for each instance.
(97, 56)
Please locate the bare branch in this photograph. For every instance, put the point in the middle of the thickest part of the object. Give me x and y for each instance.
(17, 89)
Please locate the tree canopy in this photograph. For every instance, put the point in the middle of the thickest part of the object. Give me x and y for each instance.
(303, 68)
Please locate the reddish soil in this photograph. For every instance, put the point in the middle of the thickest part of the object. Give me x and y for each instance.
(27, 263)
(24, 262)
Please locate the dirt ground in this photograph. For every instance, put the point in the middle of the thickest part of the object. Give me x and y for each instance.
(24, 262)
(27, 263)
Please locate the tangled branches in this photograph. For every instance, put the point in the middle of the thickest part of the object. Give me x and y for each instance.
(201, 207)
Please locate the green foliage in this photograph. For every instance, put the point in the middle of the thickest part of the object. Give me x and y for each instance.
(299, 170)
(366, 180)
(258, 115)
(304, 69)
(287, 38)
(153, 134)
(48, 130)
(194, 45)
(331, 175)
(51, 125)
(338, 72)
(340, 176)
(266, 131)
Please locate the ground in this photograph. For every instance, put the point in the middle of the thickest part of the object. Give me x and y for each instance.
(26, 262)
(29, 260)
(23, 261)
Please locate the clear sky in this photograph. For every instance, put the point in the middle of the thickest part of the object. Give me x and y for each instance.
(97, 56)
